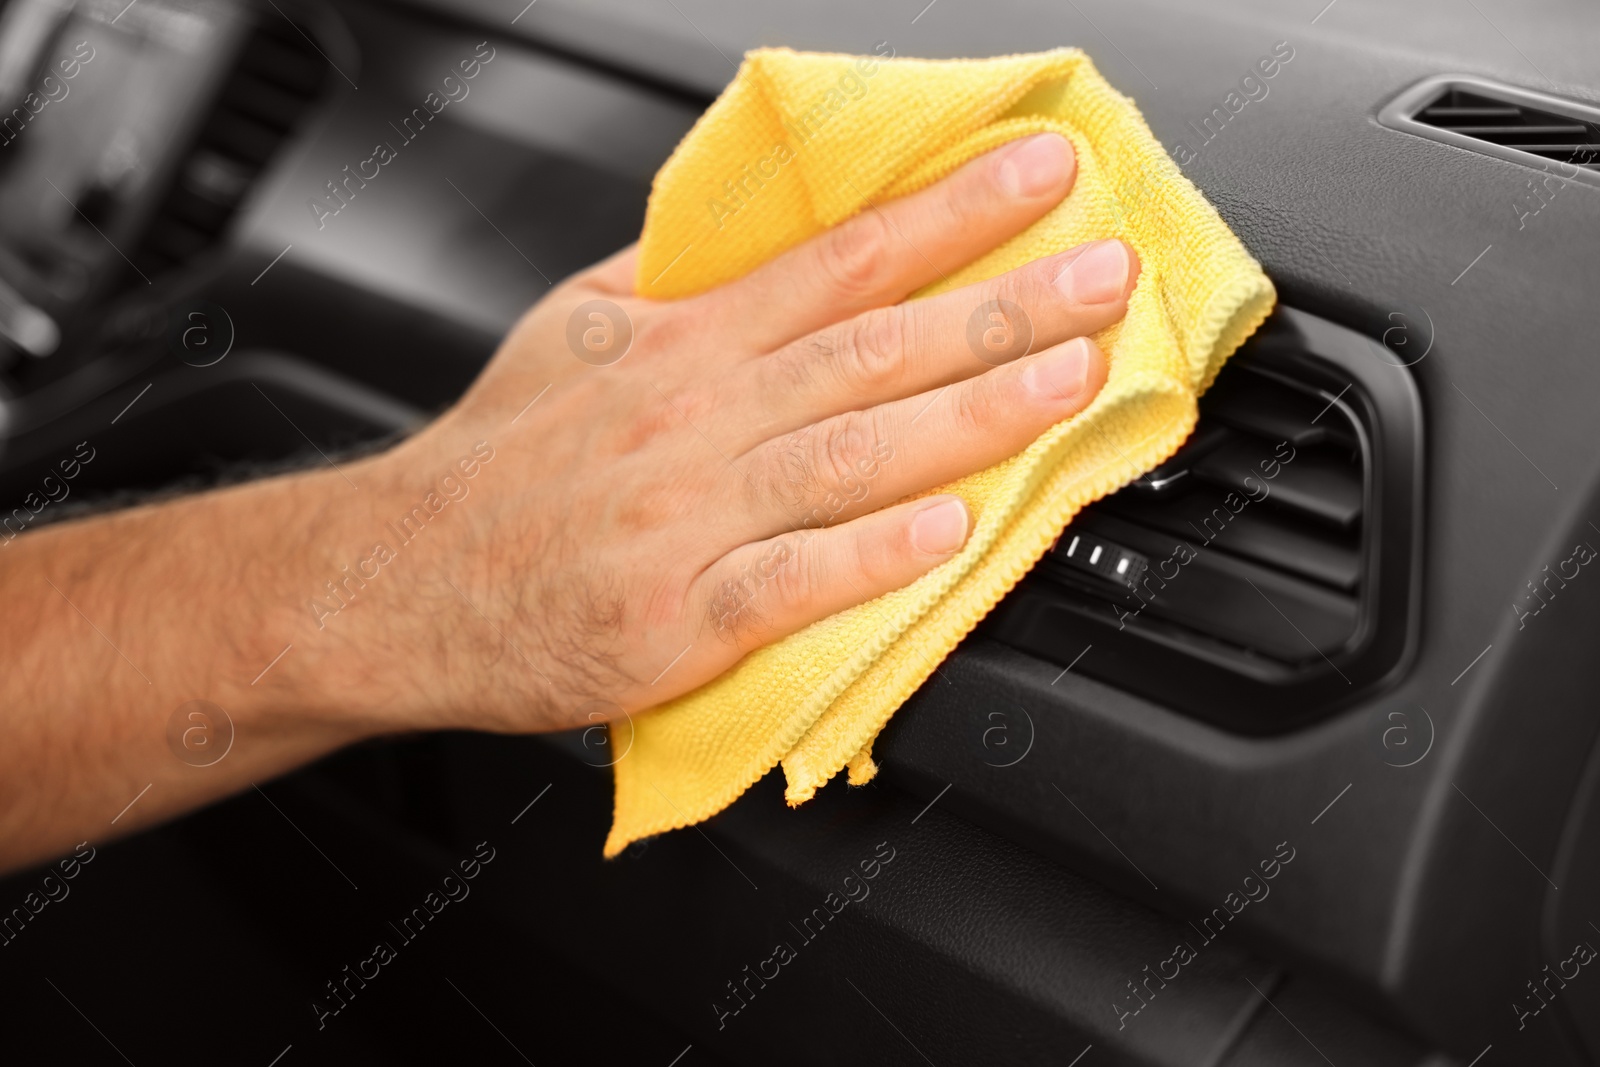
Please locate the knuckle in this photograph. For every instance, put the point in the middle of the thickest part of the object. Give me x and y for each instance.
(731, 609)
(795, 366)
(656, 504)
(657, 415)
(854, 256)
(975, 407)
(788, 475)
(695, 403)
(646, 425)
(796, 581)
(868, 559)
(844, 440)
(764, 584)
(1019, 287)
(968, 202)
(665, 331)
(875, 349)
(777, 583)
(814, 475)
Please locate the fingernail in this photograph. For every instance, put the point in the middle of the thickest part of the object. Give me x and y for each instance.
(1059, 374)
(1097, 276)
(939, 529)
(1035, 165)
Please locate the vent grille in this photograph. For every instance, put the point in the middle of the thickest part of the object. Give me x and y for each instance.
(1502, 122)
(276, 80)
(1262, 574)
(1259, 514)
(1520, 125)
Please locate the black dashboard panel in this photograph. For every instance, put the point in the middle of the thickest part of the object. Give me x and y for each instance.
(1442, 825)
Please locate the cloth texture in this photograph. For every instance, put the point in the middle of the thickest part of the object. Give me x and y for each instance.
(827, 137)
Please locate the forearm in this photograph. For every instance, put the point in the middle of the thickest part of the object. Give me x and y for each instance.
(114, 624)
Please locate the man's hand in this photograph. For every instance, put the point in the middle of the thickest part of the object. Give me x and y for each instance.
(569, 537)
(733, 477)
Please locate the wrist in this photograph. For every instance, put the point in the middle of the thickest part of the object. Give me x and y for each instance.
(377, 633)
(310, 658)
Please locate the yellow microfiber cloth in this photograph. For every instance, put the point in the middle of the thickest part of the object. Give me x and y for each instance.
(857, 131)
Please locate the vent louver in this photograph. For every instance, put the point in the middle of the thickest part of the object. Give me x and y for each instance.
(1263, 573)
(1501, 122)
(1259, 513)
(1520, 125)
(275, 81)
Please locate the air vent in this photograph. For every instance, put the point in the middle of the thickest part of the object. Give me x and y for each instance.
(275, 81)
(1534, 129)
(1501, 122)
(1263, 575)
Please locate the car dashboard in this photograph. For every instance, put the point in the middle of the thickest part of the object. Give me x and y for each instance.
(1319, 786)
